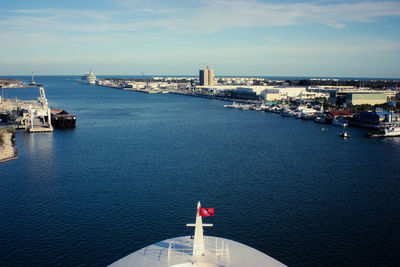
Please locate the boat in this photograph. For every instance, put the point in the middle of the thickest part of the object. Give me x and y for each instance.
(308, 113)
(239, 106)
(198, 250)
(61, 119)
(32, 83)
(344, 134)
(320, 120)
(306, 116)
(391, 130)
(286, 113)
(88, 78)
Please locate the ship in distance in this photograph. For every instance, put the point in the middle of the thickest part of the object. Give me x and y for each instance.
(88, 78)
(198, 250)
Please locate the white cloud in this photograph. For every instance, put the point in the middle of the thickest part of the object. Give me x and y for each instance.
(197, 17)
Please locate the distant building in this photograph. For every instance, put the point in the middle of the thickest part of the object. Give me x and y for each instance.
(367, 118)
(206, 76)
(365, 98)
(334, 114)
(278, 93)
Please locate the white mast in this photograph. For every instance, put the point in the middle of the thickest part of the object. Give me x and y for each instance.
(198, 242)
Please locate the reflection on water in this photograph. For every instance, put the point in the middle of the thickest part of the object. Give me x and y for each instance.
(392, 140)
(39, 144)
(38, 150)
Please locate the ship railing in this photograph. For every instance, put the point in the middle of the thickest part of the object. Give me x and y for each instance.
(216, 252)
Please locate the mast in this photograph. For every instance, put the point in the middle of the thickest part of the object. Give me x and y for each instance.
(198, 242)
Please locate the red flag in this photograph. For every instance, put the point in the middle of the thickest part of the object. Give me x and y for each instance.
(206, 211)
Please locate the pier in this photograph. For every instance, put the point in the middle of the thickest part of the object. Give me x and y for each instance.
(40, 129)
(33, 116)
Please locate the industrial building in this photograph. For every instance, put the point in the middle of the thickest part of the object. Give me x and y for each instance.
(360, 96)
(365, 98)
(375, 118)
(283, 92)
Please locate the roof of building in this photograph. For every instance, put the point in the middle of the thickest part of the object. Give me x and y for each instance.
(340, 113)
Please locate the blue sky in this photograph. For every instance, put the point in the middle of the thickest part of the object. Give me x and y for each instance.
(235, 37)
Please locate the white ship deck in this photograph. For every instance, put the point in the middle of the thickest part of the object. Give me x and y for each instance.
(178, 252)
(198, 250)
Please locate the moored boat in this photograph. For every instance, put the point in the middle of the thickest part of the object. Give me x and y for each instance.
(62, 119)
(320, 120)
(391, 130)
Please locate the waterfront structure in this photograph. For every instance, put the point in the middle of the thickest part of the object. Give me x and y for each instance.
(376, 117)
(359, 96)
(244, 93)
(206, 77)
(11, 83)
(333, 115)
(283, 92)
(198, 250)
(271, 95)
(34, 116)
(365, 98)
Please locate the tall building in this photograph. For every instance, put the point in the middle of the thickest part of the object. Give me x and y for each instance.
(203, 77)
(206, 76)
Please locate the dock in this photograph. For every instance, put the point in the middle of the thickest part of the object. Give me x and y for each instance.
(40, 129)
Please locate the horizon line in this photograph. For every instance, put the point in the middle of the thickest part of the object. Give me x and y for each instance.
(188, 75)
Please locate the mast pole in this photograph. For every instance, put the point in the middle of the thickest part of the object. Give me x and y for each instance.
(198, 242)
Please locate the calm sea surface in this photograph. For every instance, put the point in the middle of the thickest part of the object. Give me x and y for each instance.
(133, 170)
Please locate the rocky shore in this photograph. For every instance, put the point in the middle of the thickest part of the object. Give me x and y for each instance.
(7, 145)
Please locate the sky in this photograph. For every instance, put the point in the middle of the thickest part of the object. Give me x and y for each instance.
(319, 38)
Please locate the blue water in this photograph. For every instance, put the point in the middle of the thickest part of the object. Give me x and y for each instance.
(133, 170)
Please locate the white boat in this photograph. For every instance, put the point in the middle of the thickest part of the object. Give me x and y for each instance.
(320, 119)
(199, 250)
(88, 78)
(308, 113)
(307, 116)
(239, 106)
(392, 130)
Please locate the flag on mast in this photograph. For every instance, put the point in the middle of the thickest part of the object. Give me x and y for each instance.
(206, 212)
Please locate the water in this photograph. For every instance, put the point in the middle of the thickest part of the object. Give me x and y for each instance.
(133, 170)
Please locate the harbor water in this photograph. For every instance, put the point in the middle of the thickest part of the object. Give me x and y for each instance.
(132, 171)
